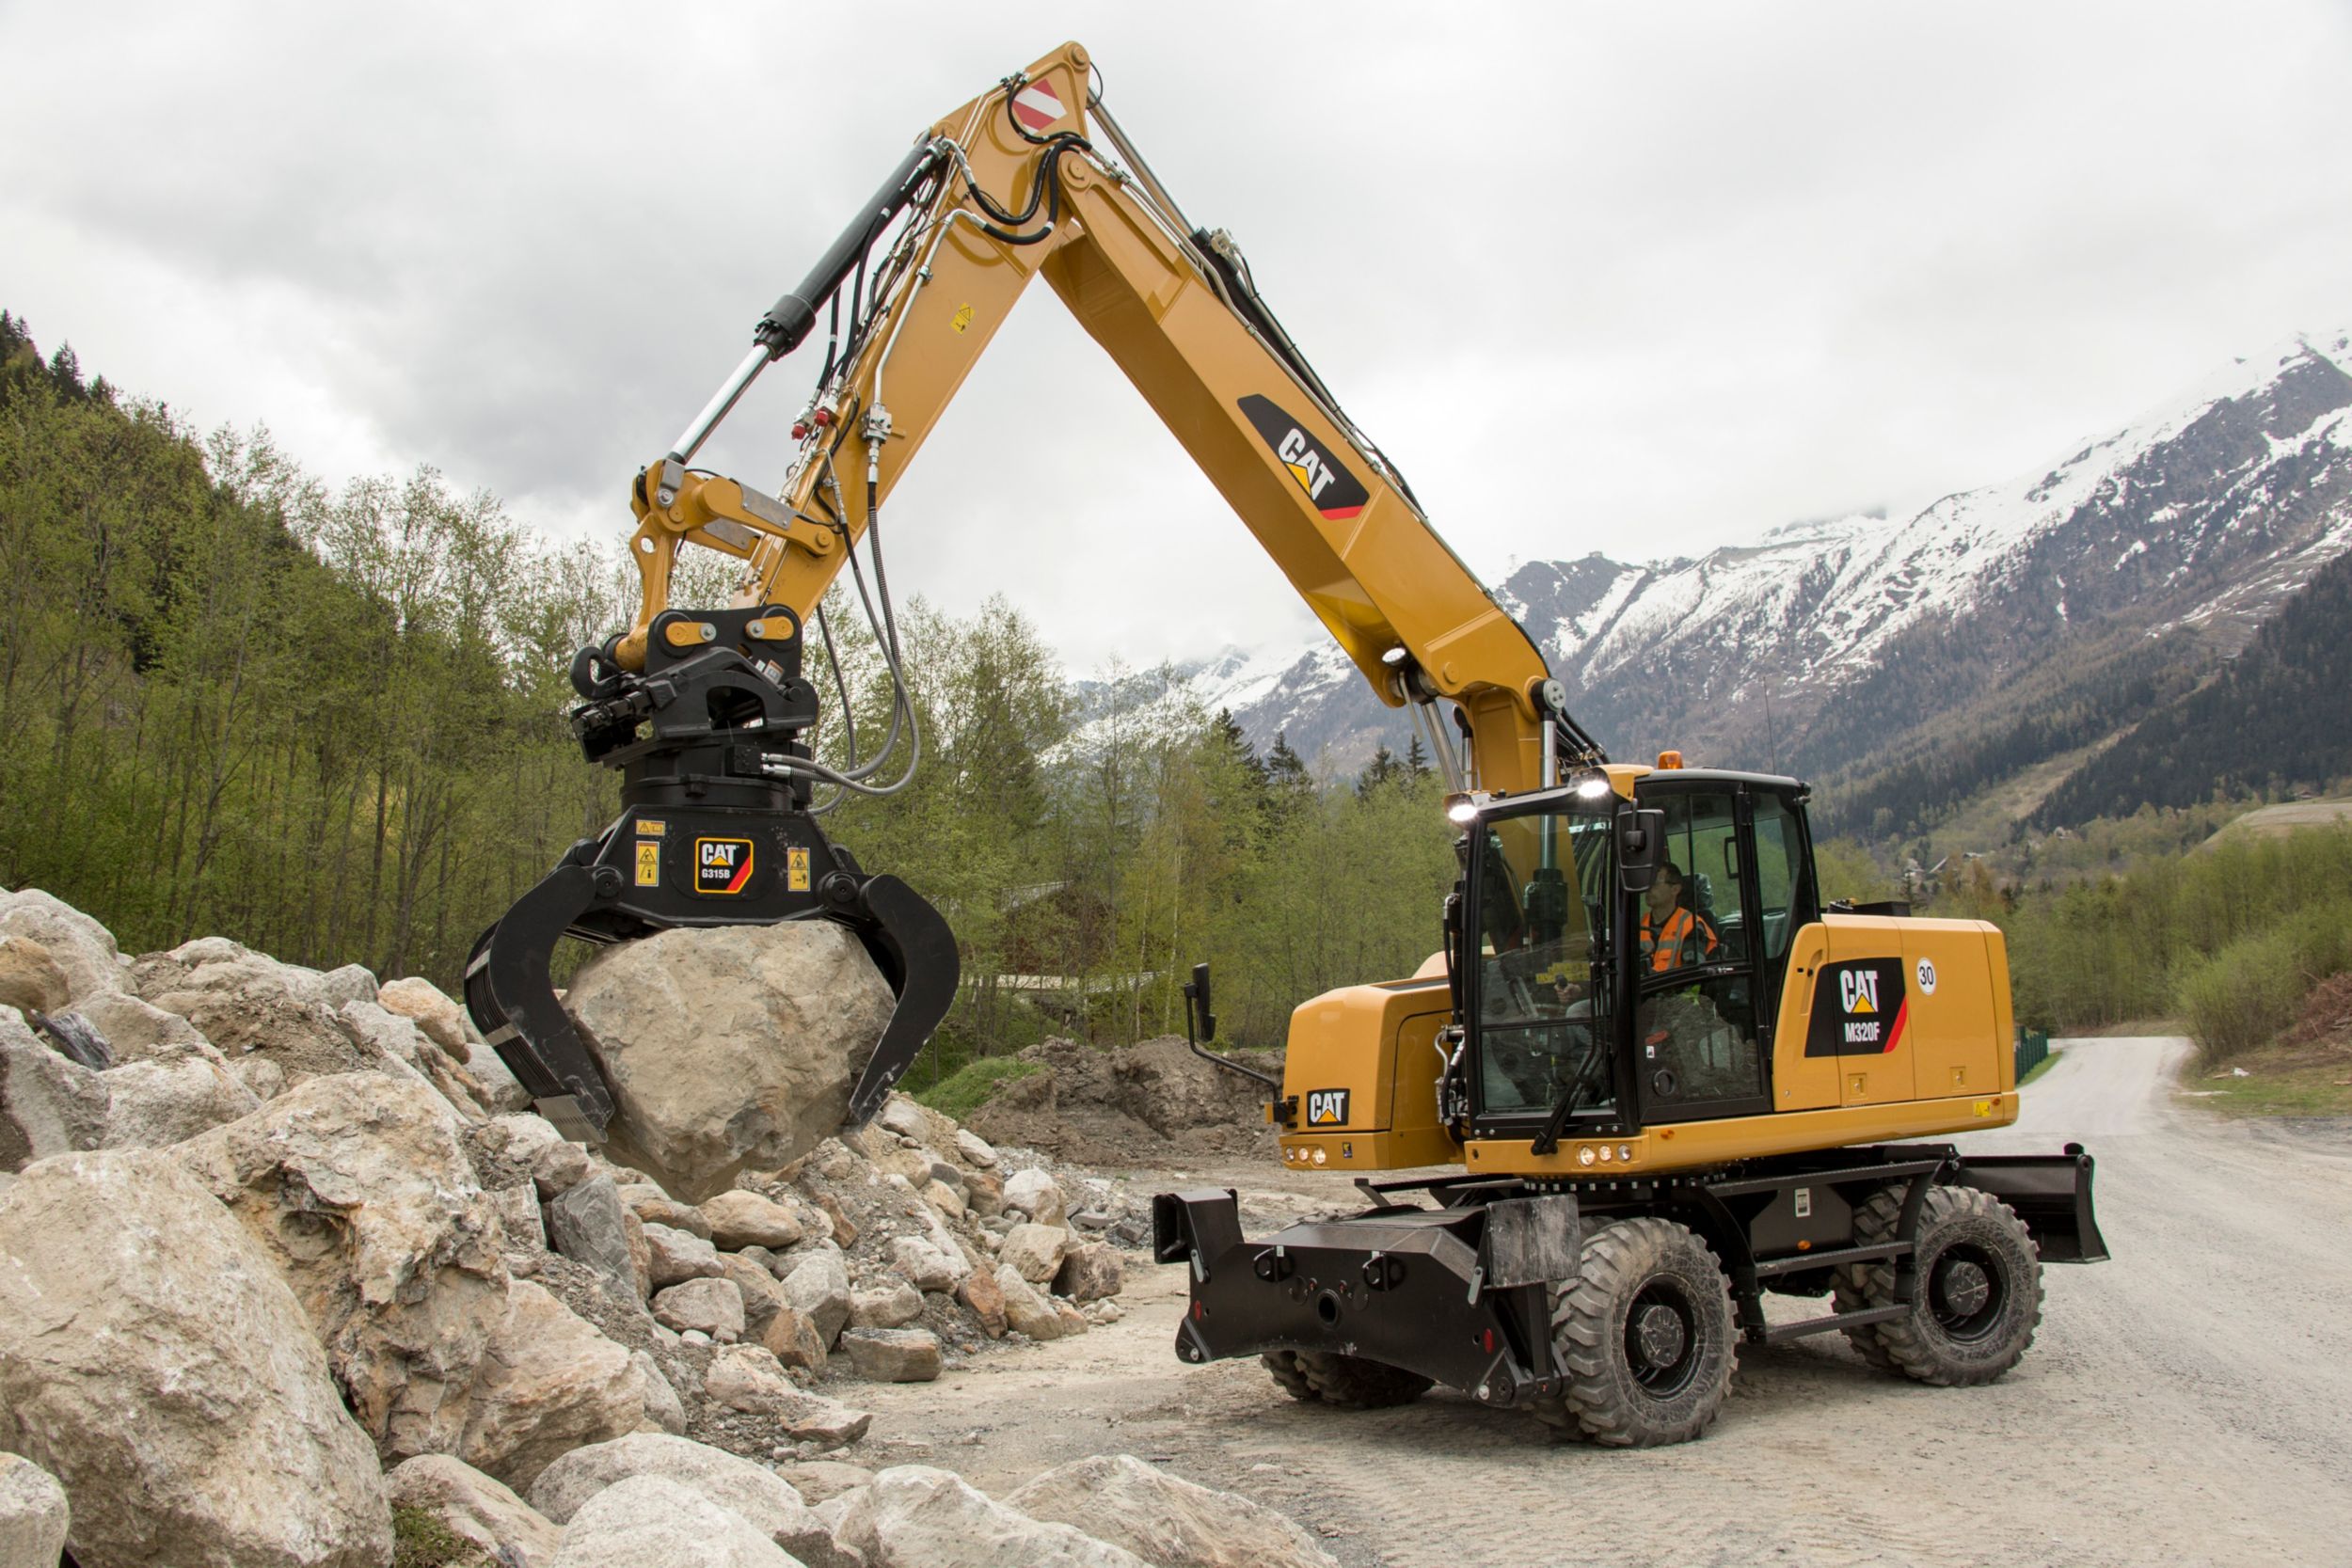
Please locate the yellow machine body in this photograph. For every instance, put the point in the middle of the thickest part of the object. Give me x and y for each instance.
(1373, 1051)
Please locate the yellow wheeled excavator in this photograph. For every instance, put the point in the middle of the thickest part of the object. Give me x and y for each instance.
(1651, 1078)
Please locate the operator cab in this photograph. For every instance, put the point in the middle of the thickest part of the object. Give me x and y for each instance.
(1622, 944)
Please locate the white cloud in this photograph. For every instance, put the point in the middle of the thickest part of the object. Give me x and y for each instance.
(1642, 280)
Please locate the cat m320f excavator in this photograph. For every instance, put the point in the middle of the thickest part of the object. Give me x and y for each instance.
(1650, 1080)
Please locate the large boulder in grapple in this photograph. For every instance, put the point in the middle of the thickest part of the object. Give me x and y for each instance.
(729, 1049)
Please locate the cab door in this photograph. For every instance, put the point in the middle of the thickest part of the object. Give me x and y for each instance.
(1699, 951)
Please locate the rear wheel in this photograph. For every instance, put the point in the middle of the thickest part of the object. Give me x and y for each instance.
(1978, 1295)
(1645, 1333)
(1348, 1382)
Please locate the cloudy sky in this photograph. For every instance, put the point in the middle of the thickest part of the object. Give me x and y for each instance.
(1639, 279)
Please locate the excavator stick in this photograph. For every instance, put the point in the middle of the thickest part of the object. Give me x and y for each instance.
(716, 830)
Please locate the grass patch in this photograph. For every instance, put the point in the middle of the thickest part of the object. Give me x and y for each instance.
(420, 1540)
(2280, 1081)
(973, 1085)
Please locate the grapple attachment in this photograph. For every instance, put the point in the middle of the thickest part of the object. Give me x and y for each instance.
(715, 830)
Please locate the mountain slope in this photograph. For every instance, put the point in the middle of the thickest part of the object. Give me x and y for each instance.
(1909, 662)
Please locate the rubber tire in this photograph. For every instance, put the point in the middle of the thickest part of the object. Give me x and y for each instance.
(1343, 1381)
(1918, 1346)
(1873, 1223)
(1588, 1332)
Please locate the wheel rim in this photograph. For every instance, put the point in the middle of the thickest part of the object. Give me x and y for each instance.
(1661, 1338)
(1967, 1289)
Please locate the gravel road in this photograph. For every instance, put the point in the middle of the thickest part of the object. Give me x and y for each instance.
(2188, 1402)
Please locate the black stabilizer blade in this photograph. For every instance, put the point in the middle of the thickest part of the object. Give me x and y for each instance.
(513, 1000)
(916, 952)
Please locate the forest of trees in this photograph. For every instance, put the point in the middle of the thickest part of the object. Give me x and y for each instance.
(331, 724)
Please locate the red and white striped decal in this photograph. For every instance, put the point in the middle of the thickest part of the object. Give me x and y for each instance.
(1036, 107)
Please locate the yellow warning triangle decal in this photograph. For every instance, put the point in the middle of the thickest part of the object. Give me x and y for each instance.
(1861, 1004)
(1300, 474)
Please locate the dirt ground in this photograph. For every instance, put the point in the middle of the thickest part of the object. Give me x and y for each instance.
(2189, 1402)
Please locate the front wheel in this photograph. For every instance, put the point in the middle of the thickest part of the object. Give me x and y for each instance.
(1645, 1334)
(1979, 1294)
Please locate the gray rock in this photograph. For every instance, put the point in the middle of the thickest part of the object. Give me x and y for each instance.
(164, 1101)
(444, 1022)
(750, 1379)
(521, 1221)
(1165, 1519)
(247, 1002)
(153, 1360)
(477, 1509)
(652, 1205)
(753, 1493)
(549, 1382)
(588, 1224)
(34, 1515)
(663, 1408)
(821, 1481)
(1034, 1193)
(139, 1031)
(30, 980)
(654, 1522)
(357, 1190)
(1090, 1271)
(894, 1305)
(729, 1049)
(1025, 1309)
(741, 1219)
(679, 1255)
(80, 947)
(903, 1116)
(926, 1265)
(976, 1149)
(351, 983)
(818, 1288)
(1036, 1250)
(893, 1354)
(712, 1306)
(915, 1516)
(48, 1106)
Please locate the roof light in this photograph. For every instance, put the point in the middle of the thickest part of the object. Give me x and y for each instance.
(1668, 761)
(1461, 809)
(1594, 787)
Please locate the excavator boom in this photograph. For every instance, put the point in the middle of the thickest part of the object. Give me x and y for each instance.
(705, 712)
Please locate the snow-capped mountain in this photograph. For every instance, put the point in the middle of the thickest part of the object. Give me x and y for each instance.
(1825, 642)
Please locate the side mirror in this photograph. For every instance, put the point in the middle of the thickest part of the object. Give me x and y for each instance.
(1641, 844)
(1197, 1004)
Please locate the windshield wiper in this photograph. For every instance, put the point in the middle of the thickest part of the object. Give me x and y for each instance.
(1571, 1103)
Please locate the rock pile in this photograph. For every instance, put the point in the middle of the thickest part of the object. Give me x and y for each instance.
(282, 1254)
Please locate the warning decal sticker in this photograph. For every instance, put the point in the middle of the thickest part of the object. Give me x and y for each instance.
(1036, 107)
(796, 870)
(721, 866)
(1859, 1008)
(1330, 488)
(648, 863)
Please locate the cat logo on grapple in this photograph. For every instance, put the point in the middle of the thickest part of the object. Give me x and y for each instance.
(1327, 1107)
(721, 866)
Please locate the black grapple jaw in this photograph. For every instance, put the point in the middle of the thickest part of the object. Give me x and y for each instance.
(713, 832)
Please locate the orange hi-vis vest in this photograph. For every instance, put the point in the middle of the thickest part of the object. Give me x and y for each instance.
(1684, 939)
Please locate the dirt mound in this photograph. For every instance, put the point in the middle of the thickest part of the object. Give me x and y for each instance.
(1154, 1103)
(2327, 1016)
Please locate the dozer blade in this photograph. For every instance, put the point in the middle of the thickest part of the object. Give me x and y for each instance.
(916, 954)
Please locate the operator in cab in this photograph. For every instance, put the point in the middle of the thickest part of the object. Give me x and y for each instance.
(1672, 936)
